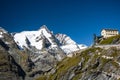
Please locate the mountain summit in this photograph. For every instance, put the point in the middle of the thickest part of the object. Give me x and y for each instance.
(36, 38)
(28, 54)
(45, 39)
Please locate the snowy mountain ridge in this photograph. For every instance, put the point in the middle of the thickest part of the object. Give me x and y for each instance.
(35, 51)
(44, 38)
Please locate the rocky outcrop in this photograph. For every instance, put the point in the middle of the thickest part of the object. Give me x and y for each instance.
(91, 64)
(9, 68)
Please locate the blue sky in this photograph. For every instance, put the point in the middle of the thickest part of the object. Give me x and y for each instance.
(79, 19)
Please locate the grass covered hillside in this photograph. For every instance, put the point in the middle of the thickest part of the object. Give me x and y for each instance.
(111, 40)
(92, 64)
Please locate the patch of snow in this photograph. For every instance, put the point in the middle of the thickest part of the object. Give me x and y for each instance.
(48, 36)
(64, 39)
(69, 41)
(69, 48)
(7, 42)
(82, 46)
(1, 33)
(1, 36)
(20, 39)
(68, 45)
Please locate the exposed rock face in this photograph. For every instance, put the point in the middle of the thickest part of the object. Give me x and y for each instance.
(91, 64)
(9, 68)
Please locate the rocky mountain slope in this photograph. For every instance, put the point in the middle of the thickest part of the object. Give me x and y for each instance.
(41, 55)
(10, 68)
(29, 54)
(90, 64)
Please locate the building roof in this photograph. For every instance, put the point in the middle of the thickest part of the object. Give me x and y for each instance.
(110, 29)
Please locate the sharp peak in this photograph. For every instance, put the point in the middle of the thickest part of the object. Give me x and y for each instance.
(43, 27)
(3, 30)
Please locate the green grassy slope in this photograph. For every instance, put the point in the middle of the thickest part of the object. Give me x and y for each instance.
(111, 40)
(92, 62)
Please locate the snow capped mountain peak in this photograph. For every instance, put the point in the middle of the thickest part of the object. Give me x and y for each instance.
(64, 39)
(44, 27)
(44, 38)
(36, 38)
(68, 45)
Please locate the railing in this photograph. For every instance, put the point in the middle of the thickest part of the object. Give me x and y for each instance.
(108, 46)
